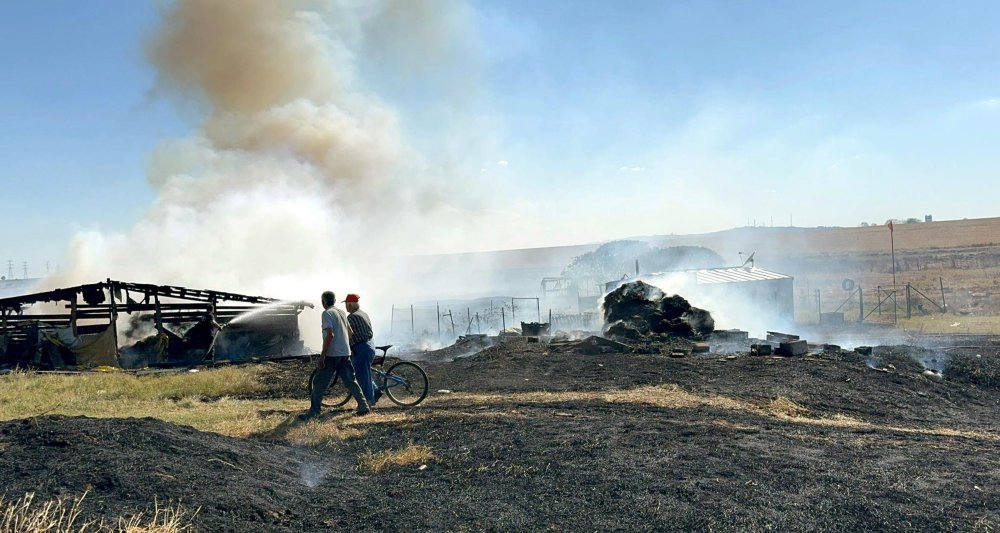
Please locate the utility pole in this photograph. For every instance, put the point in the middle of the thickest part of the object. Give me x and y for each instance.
(10, 269)
(25, 264)
(892, 248)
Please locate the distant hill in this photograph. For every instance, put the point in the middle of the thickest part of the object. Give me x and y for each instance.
(16, 287)
(520, 271)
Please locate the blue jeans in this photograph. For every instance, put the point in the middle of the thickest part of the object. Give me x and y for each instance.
(362, 357)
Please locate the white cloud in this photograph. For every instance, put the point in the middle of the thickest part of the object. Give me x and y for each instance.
(502, 163)
(989, 103)
(631, 169)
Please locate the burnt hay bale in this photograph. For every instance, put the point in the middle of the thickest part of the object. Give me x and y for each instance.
(635, 299)
(625, 330)
(700, 320)
(639, 311)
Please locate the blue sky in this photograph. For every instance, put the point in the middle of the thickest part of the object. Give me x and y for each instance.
(720, 112)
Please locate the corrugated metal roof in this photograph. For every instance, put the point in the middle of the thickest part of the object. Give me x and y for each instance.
(736, 275)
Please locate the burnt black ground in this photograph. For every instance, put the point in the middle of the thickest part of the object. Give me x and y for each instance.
(505, 464)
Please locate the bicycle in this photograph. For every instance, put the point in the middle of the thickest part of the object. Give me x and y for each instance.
(405, 383)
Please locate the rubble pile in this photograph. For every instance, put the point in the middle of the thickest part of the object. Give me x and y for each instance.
(592, 345)
(638, 311)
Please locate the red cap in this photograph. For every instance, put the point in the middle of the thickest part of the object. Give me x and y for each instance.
(352, 298)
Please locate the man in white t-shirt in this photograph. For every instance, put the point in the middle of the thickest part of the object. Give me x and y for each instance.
(334, 359)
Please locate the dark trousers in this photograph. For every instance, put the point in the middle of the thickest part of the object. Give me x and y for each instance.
(335, 366)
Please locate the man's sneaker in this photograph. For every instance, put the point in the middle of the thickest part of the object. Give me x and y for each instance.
(378, 394)
(308, 415)
(362, 411)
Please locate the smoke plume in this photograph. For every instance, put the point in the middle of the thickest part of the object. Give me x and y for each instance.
(297, 178)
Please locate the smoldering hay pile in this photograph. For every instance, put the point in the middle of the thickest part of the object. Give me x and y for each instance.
(638, 311)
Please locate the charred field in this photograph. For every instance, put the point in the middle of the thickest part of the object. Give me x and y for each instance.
(527, 438)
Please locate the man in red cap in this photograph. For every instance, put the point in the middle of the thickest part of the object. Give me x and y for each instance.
(362, 350)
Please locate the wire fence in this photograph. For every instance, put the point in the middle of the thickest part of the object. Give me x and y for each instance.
(883, 304)
(446, 322)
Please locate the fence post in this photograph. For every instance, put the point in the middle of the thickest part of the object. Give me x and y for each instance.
(512, 319)
(909, 313)
(861, 304)
(413, 327)
(878, 298)
(819, 307)
(503, 320)
(944, 305)
(438, 306)
(392, 320)
(538, 308)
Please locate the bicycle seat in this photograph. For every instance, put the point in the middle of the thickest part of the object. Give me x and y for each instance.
(384, 348)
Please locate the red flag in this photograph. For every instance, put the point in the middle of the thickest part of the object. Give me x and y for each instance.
(890, 227)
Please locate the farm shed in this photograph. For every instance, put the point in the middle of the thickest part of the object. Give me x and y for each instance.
(134, 325)
(771, 291)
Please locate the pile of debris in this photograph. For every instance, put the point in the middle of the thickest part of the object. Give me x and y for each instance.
(637, 311)
(592, 345)
(464, 346)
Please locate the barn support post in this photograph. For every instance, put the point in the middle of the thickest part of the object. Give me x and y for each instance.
(72, 314)
(113, 311)
(158, 314)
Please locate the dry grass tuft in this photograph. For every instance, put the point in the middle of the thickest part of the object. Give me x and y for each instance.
(171, 519)
(208, 400)
(376, 462)
(25, 516)
(63, 516)
(320, 433)
(782, 407)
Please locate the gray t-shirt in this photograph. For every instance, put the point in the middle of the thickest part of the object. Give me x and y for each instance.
(336, 320)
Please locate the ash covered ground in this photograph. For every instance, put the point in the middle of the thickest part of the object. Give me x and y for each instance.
(532, 438)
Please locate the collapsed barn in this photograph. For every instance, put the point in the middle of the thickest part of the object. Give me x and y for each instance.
(134, 325)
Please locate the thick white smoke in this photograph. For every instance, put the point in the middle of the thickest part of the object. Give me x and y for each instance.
(297, 179)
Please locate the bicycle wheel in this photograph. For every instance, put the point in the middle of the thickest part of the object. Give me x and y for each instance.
(336, 392)
(406, 384)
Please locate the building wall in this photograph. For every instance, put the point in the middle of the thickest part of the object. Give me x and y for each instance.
(772, 298)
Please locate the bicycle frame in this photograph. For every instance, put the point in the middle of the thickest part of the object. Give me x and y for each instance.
(384, 378)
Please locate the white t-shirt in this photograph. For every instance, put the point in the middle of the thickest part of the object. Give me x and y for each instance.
(336, 320)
